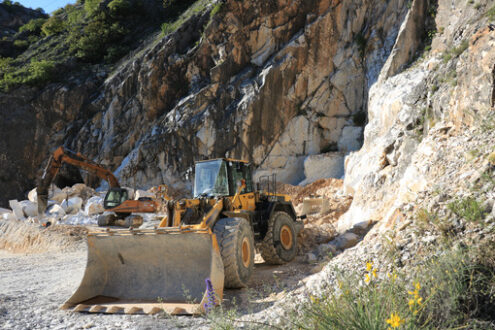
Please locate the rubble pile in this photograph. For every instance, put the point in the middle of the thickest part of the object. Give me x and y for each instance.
(76, 205)
(323, 202)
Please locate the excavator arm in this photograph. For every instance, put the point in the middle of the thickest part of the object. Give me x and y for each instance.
(61, 156)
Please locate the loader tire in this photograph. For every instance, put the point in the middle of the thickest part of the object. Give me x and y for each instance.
(280, 243)
(236, 242)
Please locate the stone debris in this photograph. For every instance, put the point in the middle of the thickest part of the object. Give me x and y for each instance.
(72, 205)
(16, 209)
(29, 208)
(76, 205)
(323, 203)
(94, 205)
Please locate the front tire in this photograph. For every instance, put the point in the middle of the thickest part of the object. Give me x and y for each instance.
(236, 241)
(280, 243)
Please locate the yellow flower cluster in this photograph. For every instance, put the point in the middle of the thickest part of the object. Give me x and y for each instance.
(392, 276)
(395, 321)
(370, 272)
(416, 301)
(314, 300)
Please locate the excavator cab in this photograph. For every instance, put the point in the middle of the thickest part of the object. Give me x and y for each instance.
(114, 197)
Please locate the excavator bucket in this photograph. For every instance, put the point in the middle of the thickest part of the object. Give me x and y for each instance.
(175, 270)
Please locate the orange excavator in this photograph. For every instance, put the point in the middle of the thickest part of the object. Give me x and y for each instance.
(116, 200)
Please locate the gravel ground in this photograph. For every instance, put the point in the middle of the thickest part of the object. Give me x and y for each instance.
(34, 286)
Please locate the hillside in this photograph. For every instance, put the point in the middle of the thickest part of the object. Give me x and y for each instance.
(396, 97)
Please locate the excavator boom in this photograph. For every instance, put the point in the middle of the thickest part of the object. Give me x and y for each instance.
(61, 156)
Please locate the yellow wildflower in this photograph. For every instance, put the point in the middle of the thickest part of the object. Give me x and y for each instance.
(373, 272)
(369, 266)
(367, 278)
(417, 286)
(395, 321)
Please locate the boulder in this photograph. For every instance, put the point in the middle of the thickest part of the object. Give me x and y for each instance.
(58, 196)
(323, 166)
(56, 211)
(94, 205)
(16, 209)
(2, 210)
(29, 208)
(73, 205)
(33, 195)
(346, 240)
(81, 190)
(312, 205)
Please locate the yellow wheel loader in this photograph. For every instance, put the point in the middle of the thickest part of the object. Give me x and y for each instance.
(203, 245)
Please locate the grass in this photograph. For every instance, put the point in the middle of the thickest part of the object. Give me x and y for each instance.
(455, 51)
(454, 289)
(469, 209)
(34, 74)
(491, 13)
(198, 7)
(428, 220)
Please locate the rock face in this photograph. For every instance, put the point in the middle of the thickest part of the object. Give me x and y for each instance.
(272, 83)
(420, 117)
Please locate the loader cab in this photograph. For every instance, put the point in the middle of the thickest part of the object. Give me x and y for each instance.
(221, 177)
(115, 197)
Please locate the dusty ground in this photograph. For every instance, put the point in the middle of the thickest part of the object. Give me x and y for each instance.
(41, 268)
(34, 286)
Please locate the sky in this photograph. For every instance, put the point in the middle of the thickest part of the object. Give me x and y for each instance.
(47, 5)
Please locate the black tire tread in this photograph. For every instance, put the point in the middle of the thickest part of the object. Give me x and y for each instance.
(226, 231)
(267, 248)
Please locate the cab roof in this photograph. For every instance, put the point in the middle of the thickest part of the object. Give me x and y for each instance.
(224, 159)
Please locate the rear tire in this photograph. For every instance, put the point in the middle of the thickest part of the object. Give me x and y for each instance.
(236, 241)
(280, 243)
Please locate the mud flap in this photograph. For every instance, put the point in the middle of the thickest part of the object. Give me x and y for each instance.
(149, 271)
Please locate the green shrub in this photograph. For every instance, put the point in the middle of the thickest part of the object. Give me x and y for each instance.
(468, 208)
(91, 6)
(33, 26)
(218, 8)
(53, 25)
(75, 15)
(491, 13)
(22, 44)
(120, 7)
(455, 289)
(456, 51)
(34, 73)
(96, 38)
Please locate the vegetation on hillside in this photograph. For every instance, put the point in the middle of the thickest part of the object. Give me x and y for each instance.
(85, 33)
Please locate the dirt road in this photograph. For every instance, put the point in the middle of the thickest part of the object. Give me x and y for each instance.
(34, 286)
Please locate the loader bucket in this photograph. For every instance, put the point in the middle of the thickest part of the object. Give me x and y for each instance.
(149, 271)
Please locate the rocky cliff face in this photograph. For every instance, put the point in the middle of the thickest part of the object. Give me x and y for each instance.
(288, 85)
(425, 121)
(271, 83)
